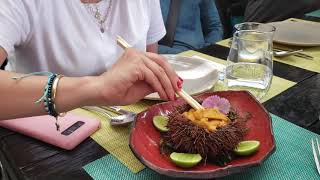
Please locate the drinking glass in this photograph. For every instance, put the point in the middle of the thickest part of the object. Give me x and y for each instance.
(268, 29)
(254, 26)
(249, 64)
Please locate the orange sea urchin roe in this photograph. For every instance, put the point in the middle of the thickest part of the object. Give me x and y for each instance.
(209, 119)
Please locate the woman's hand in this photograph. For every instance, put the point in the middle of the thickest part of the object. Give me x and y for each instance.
(136, 75)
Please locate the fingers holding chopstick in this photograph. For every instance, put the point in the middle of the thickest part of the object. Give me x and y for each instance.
(175, 79)
(162, 62)
(151, 73)
(162, 77)
(177, 82)
(152, 79)
(158, 72)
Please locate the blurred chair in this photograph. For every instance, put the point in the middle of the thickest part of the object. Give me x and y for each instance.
(265, 11)
(224, 10)
(231, 12)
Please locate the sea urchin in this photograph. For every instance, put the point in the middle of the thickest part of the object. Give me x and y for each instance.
(185, 136)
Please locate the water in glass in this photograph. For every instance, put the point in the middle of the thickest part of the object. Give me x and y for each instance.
(250, 63)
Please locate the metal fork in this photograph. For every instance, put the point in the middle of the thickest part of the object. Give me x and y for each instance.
(298, 54)
(124, 118)
(316, 154)
(117, 109)
(285, 53)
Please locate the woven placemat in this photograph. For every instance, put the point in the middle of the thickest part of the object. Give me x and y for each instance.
(293, 159)
(311, 65)
(116, 139)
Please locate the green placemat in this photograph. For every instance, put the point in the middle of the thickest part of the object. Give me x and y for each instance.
(109, 167)
(311, 65)
(293, 159)
(116, 139)
(314, 13)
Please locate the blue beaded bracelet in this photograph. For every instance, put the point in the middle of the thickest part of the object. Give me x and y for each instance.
(48, 103)
(46, 98)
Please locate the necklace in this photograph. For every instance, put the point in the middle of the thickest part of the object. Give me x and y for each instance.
(95, 11)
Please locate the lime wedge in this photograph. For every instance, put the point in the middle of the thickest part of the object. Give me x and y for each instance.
(185, 160)
(160, 122)
(246, 148)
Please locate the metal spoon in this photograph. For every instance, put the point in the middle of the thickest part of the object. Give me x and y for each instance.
(285, 53)
(125, 118)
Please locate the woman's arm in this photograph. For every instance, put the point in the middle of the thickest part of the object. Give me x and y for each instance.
(210, 20)
(17, 97)
(142, 74)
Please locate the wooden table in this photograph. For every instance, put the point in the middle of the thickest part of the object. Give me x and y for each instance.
(26, 158)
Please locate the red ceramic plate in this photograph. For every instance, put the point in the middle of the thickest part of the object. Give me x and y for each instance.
(145, 139)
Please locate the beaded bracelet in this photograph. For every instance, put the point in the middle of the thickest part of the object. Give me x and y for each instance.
(49, 93)
(48, 101)
(53, 107)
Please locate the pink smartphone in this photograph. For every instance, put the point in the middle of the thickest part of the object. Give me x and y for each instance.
(73, 129)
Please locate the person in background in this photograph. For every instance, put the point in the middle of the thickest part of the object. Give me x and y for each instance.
(77, 39)
(197, 25)
(278, 10)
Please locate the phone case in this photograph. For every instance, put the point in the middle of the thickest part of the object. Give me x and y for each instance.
(73, 129)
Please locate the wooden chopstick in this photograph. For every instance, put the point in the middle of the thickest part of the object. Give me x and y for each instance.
(192, 102)
(122, 43)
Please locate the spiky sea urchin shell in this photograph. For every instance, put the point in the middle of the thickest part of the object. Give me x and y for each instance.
(184, 136)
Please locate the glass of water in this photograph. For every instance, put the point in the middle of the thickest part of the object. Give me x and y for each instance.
(268, 29)
(250, 62)
(255, 26)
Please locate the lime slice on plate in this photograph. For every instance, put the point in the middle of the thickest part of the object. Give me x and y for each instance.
(185, 160)
(246, 148)
(160, 122)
